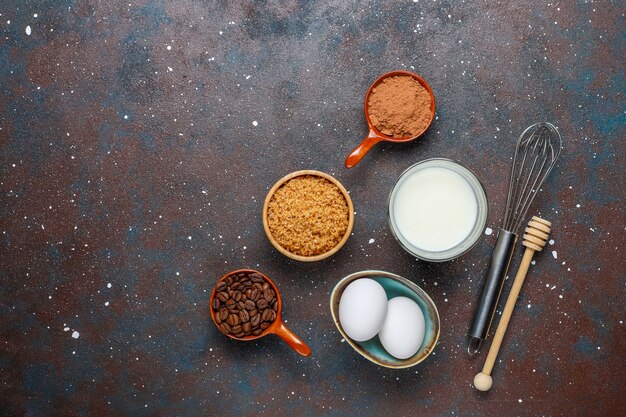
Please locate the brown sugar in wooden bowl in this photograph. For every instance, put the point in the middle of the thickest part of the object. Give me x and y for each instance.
(308, 215)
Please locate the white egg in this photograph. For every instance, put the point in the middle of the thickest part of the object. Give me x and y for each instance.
(402, 333)
(362, 309)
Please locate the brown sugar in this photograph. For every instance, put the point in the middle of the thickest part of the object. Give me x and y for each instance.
(400, 107)
(308, 215)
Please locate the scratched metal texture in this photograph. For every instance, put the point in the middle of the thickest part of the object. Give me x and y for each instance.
(138, 140)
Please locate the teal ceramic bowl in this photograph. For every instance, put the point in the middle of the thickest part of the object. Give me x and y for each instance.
(395, 286)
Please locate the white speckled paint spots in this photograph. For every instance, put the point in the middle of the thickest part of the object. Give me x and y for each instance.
(75, 334)
(28, 30)
(488, 231)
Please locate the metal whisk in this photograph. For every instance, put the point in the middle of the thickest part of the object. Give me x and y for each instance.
(537, 151)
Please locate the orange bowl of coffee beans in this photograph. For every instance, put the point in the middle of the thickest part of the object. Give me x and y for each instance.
(246, 305)
(308, 215)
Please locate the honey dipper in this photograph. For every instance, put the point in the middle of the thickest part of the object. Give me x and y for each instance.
(535, 237)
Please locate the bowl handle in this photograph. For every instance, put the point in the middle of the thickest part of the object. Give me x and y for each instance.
(359, 152)
(291, 339)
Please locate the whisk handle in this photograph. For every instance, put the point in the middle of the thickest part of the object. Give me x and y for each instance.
(492, 287)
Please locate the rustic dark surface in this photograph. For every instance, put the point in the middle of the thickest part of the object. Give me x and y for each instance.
(138, 140)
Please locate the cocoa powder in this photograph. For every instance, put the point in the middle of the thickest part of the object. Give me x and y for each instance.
(399, 107)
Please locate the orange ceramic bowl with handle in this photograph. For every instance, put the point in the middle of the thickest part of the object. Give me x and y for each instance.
(277, 327)
(374, 135)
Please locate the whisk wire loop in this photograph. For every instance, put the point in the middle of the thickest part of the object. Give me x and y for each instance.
(538, 148)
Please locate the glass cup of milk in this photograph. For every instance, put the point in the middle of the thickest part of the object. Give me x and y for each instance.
(437, 210)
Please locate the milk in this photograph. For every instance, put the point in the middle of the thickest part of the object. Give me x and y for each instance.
(434, 209)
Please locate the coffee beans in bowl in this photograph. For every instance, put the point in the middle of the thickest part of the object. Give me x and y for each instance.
(308, 215)
(246, 305)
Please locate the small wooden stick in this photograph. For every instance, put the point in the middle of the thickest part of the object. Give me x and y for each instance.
(535, 237)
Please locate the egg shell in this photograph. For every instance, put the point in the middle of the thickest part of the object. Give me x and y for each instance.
(362, 309)
(402, 332)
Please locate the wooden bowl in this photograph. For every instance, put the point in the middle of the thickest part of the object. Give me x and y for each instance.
(321, 256)
(394, 286)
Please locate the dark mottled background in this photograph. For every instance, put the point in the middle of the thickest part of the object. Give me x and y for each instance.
(138, 140)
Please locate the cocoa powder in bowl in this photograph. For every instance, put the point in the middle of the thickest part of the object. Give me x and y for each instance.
(400, 107)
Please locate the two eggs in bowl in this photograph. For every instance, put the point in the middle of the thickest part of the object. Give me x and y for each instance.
(386, 318)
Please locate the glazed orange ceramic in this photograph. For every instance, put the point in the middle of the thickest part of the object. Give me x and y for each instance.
(277, 327)
(374, 136)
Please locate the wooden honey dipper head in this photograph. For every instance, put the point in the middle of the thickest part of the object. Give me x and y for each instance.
(536, 234)
(535, 237)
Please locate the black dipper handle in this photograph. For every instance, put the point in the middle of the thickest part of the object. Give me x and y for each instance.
(492, 288)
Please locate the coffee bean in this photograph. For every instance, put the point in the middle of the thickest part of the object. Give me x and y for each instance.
(218, 320)
(230, 303)
(249, 305)
(256, 277)
(241, 304)
(266, 316)
(275, 305)
(255, 295)
(247, 328)
(223, 313)
(223, 296)
(268, 294)
(265, 285)
(244, 316)
(236, 329)
(221, 286)
(257, 332)
(228, 280)
(254, 312)
(216, 303)
(235, 285)
(233, 319)
(237, 295)
(254, 321)
(244, 297)
(261, 304)
(225, 328)
(265, 325)
(258, 286)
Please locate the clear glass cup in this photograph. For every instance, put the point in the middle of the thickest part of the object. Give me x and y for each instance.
(481, 213)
